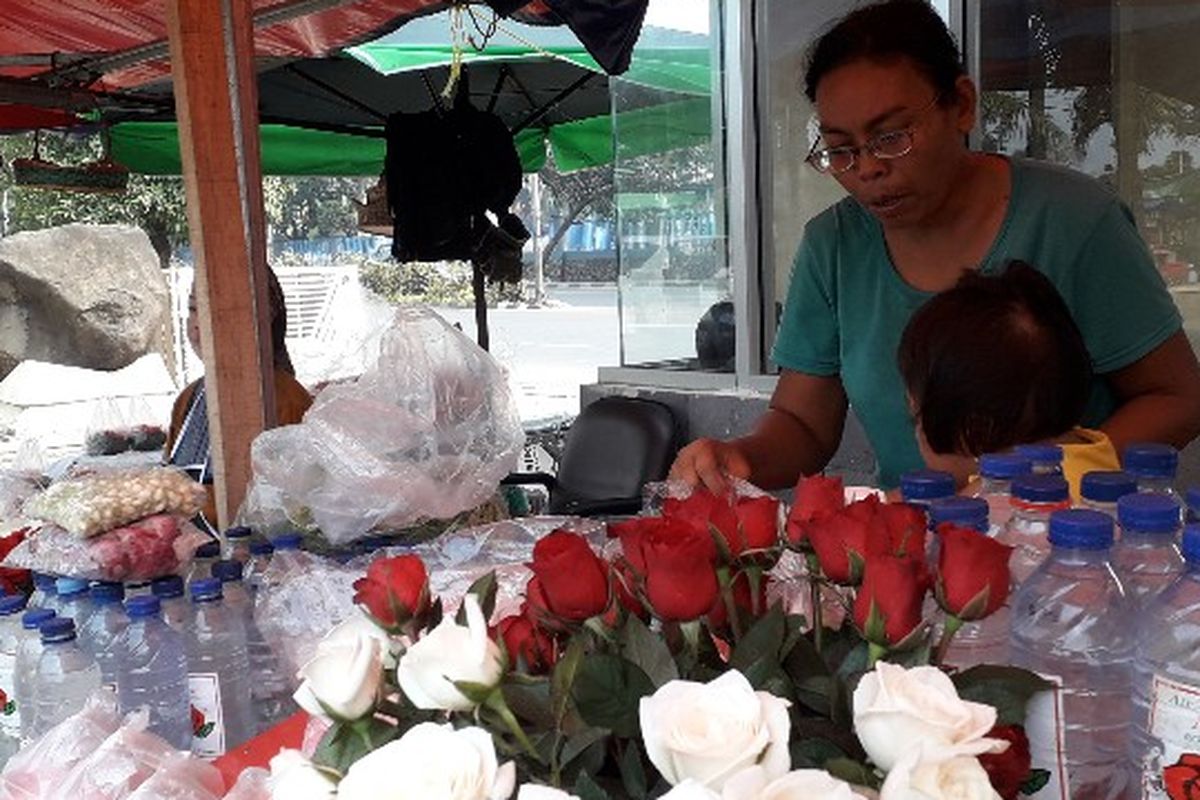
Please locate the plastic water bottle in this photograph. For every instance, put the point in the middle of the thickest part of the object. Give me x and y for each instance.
(996, 473)
(66, 675)
(1035, 498)
(154, 672)
(1166, 673)
(11, 609)
(1192, 497)
(270, 691)
(920, 487)
(29, 650)
(1147, 559)
(1153, 465)
(73, 601)
(205, 556)
(969, 512)
(1047, 458)
(101, 634)
(260, 557)
(1100, 490)
(237, 544)
(1073, 623)
(218, 673)
(43, 589)
(176, 610)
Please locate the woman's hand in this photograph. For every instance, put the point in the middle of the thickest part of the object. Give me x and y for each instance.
(710, 462)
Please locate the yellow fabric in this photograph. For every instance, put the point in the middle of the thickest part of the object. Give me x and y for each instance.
(1096, 452)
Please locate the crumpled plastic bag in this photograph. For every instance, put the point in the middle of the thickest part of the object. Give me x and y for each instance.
(43, 765)
(96, 503)
(251, 785)
(149, 548)
(182, 776)
(427, 433)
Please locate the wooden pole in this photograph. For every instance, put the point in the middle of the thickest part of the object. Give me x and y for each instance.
(216, 100)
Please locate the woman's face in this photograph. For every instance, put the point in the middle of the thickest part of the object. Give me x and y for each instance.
(193, 325)
(863, 99)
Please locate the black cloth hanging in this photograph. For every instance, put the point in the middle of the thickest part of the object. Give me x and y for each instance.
(608, 29)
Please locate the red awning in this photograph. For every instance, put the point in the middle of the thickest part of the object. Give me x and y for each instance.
(15, 117)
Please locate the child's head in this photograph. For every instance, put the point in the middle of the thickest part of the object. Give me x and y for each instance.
(994, 362)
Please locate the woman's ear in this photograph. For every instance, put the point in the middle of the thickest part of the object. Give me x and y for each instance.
(966, 104)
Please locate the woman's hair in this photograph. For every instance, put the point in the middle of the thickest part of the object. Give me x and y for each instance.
(887, 31)
(994, 362)
(283, 359)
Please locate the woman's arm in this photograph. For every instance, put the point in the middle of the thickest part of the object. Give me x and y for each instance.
(1159, 396)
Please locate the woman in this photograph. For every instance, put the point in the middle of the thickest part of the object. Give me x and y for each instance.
(187, 439)
(895, 106)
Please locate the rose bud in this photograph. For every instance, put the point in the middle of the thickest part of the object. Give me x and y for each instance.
(573, 578)
(681, 583)
(816, 496)
(906, 526)
(1009, 770)
(842, 544)
(973, 578)
(394, 591)
(887, 607)
(527, 645)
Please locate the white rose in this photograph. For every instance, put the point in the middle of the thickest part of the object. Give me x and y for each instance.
(342, 681)
(691, 790)
(293, 777)
(925, 775)
(898, 709)
(710, 731)
(450, 653)
(810, 784)
(431, 760)
(361, 624)
(532, 791)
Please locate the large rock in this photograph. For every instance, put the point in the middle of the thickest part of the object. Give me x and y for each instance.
(83, 295)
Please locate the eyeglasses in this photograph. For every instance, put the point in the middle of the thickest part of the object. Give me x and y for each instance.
(887, 145)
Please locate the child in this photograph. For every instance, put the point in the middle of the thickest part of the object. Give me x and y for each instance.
(994, 362)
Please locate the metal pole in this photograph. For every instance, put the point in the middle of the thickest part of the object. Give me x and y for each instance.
(539, 256)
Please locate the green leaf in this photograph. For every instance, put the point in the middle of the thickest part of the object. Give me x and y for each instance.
(1037, 780)
(563, 677)
(1007, 689)
(762, 641)
(477, 693)
(633, 774)
(607, 690)
(580, 742)
(484, 589)
(10, 707)
(345, 743)
(530, 702)
(588, 789)
(766, 675)
(648, 651)
(854, 772)
(814, 752)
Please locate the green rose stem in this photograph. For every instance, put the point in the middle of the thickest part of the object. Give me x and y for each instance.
(950, 628)
(754, 578)
(814, 588)
(725, 581)
(874, 653)
(495, 702)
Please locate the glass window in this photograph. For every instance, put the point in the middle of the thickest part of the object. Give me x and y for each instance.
(1109, 89)
(668, 128)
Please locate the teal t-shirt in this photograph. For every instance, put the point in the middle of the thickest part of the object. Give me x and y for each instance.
(847, 306)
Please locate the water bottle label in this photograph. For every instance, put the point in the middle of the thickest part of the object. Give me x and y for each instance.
(208, 721)
(1175, 723)
(1047, 744)
(10, 720)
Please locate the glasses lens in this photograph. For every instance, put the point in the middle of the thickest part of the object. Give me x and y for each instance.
(891, 145)
(833, 160)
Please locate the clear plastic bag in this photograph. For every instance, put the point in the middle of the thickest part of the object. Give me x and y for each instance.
(118, 427)
(147, 549)
(123, 762)
(427, 433)
(251, 785)
(96, 503)
(182, 776)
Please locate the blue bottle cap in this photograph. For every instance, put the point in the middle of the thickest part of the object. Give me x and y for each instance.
(1149, 512)
(1081, 529)
(1040, 488)
(1004, 466)
(69, 587)
(227, 571)
(57, 629)
(33, 619)
(261, 548)
(926, 484)
(238, 532)
(12, 604)
(206, 589)
(209, 550)
(1040, 453)
(170, 586)
(970, 512)
(287, 541)
(47, 583)
(108, 592)
(1191, 543)
(1106, 486)
(1150, 460)
(142, 606)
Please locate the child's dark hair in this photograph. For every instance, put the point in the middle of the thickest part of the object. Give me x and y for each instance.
(994, 362)
(886, 31)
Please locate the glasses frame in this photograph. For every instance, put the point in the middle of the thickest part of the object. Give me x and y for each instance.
(870, 145)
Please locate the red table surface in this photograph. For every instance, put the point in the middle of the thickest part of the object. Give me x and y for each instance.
(259, 751)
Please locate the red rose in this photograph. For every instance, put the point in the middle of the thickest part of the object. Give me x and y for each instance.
(394, 591)
(842, 543)
(906, 526)
(1182, 779)
(973, 577)
(14, 581)
(816, 497)
(718, 615)
(572, 576)
(1009, 770)
(527, 645)
(746, 523)
(681, 583)
(887, 607)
